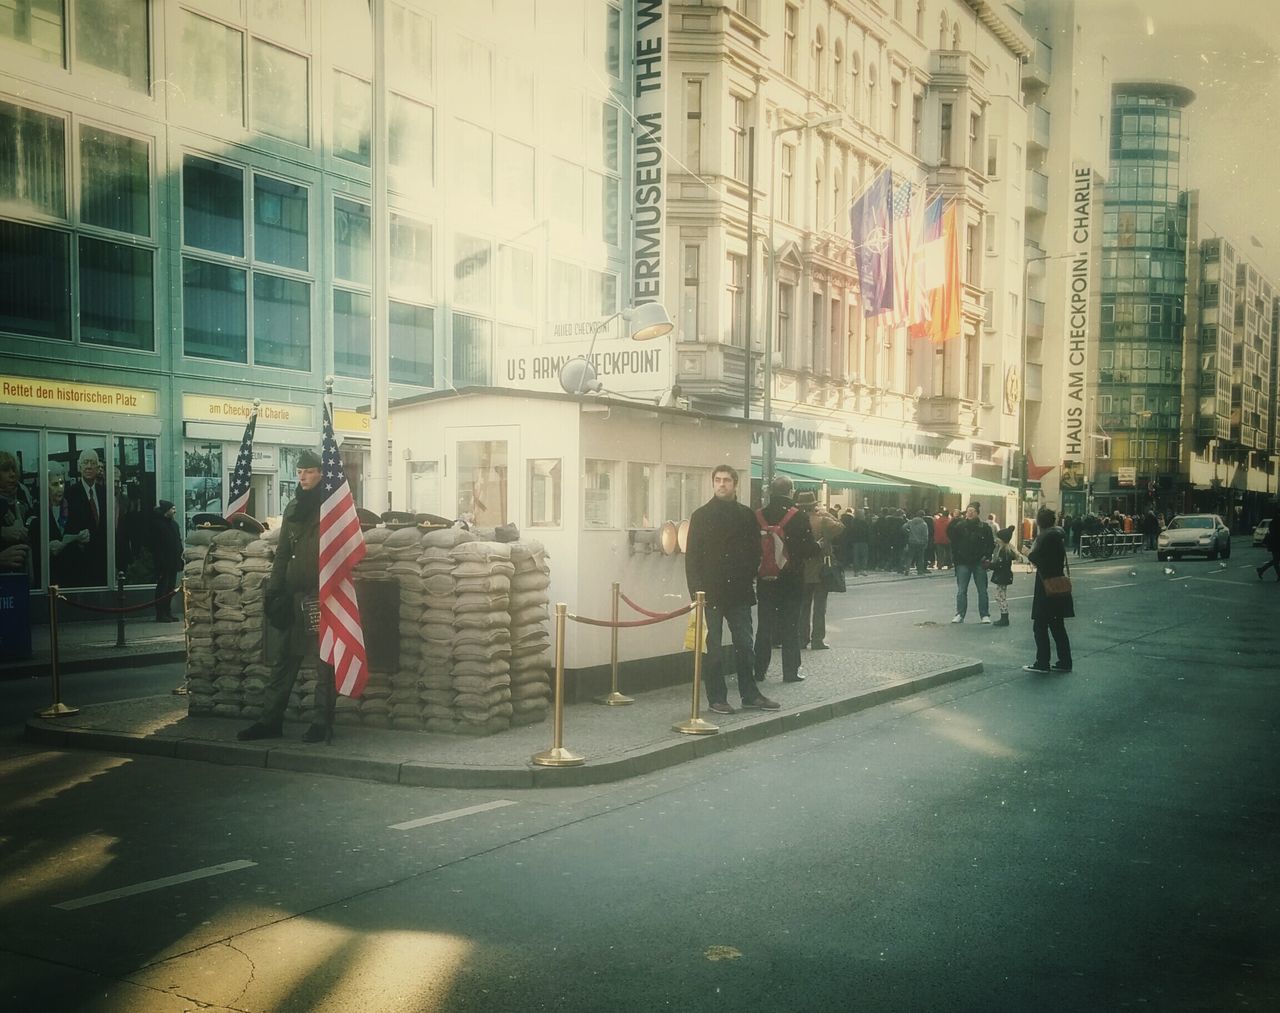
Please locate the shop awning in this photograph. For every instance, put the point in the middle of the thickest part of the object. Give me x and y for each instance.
(836, 478)
(960, 485)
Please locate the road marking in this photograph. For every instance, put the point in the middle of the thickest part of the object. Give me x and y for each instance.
(882, 615)
(1108, 587)
(451, 815)
(155, 884)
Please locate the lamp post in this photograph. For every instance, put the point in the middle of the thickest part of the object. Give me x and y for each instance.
(1022, 369)
(767, 460)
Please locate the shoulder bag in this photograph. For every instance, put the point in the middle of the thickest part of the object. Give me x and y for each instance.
(1058, 587)
(831, 577)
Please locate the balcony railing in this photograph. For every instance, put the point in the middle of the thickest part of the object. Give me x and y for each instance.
(1037, 191)
(1035, 318)
(1037, 126)
(1039, 65)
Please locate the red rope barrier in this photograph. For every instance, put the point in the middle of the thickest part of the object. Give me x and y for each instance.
(631, 623)
(111, 611)
(655, 615)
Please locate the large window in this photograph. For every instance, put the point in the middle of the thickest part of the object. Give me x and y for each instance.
(224, 275)
(599, 487)
(482, 481)
(640, 488)
(111, 36)
(738, 136)
(544, 492)
(684, 490)
(693, 124)
(736, 299)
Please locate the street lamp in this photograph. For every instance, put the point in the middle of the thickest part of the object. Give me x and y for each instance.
(1022, 408)
(645, 322)
(766, 464)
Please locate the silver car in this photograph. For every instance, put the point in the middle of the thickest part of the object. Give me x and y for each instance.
(1194, 535)
(1260, 532)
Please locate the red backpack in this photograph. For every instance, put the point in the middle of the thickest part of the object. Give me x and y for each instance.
(773, 549)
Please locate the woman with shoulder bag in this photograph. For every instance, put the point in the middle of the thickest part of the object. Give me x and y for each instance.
(1052, 602)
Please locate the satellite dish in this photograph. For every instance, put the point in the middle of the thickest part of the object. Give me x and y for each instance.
(578, 376)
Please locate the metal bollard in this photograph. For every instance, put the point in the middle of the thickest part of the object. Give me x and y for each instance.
(696, 725)
(614, 699)
(186, 639)
(120, 605)
(557, 755)
(57, 709)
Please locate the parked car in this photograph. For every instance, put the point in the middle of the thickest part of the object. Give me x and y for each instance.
(1194, 535)
(1260, 532)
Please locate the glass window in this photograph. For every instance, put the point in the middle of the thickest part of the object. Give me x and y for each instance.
(281, 322)
(212, 206)
(201, 479)
(609, 136)
(90, 505)
(602, 293)
(565, 296)
(280, 104)
(285, 20)
(544, 492)
(411, 138)
(472, 272)
(424, 487)
(566, 192)
(472, 351)
(473, 63)
(516, 287)
(279, 222)
(32, 161)
(610, 199)
(210, 66)
(20, 481)
(473, 166)
(35, 298)
(37, 24)
(134, 483)
(214, 311)
(598, 482)
(482, 481)
(515, 178)
(352, 323)
(115, 188)
(411, 258)
(117, 299)
(410, 53)
(113, 35)
(640, 486)
(352, 115)
(516, 96)
(413, 344)
(683, 492)
(613, 41)
(351, 241)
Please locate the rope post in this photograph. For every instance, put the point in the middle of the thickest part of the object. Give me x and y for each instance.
(557, 755)
(57, 709)
(186, 639)
(120, 606)
(614, 699)
(696, 725)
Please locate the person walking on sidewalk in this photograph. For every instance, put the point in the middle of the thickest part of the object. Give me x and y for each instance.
(781, 597)
(813, 609)
(1048, 612)
(295, 575)
(721, 560)
(916, 532)
(972, 542)
(941, 544)
(1271, 542)
(166, 559)
(1002, 561)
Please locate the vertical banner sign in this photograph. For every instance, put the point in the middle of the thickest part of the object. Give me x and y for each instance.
(1078, 278)
(647, 199)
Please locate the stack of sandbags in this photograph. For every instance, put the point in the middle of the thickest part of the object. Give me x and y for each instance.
(404, 709)
(199, 618)
(481, 669)
(395, 555)
(258, 558)
(531, 648)
(436, 629)
(224, 577)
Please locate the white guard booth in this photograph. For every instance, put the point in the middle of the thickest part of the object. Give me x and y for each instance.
(594, 479)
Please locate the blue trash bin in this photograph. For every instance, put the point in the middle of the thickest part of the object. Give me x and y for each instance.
(15, 616)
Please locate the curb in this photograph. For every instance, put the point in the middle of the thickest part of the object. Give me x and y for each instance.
(412, 773)
(102, 663)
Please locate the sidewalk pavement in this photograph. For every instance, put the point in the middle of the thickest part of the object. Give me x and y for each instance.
(617, 742)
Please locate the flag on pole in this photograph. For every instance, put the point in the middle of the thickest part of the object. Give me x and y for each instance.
(341, 548)
(244, 469)
(906, 207)
(944, 301)
(930, 268)
(869, 219)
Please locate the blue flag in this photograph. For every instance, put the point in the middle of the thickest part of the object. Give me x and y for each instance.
(870, 218)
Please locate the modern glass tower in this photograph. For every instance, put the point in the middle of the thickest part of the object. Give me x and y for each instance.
(1142, 321)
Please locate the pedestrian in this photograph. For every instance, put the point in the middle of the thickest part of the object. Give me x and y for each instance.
(721, 560)
(860, 542)
(1271, 542)
(972, 543)
(295, 578)
(780, 598)
(1048, 612)
(916, 533)
(813, 608)
(166, 559)
(941, 544)
(1002, 561)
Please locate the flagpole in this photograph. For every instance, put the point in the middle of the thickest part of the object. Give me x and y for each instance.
(377, 485)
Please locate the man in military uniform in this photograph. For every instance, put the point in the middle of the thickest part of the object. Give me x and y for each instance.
(295, 576)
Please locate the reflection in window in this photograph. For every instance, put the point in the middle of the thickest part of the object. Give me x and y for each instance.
(411, 249)
(279, 222)
(424, 487)
(544, 492)
(20, 512)
(201, 479)
(351, 242)
(472, 271)
(280, 107)
(116, 295)
(473, 164)
(35, 297)
(281, 322)
(134, 481)
(482, 481)
(210, 67)
(112, 35)
(410, 64)
(640, 494)
(215, 315)
(472, 351)
(684, 490)
(598, 483)
(413, 344)
(115, 188)
(352, 115)
(411, 140)
(351, 333)
(39, 25)
(212, 206)
(83, 460)
(32, 161)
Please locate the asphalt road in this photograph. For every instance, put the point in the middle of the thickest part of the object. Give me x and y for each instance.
(1103, 840)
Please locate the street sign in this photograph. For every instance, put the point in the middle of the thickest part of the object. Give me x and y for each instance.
(1127, 477)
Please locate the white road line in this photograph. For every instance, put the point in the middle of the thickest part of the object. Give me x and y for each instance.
(451, 815)
(155, 884)
(882, 615)
(1108, 587)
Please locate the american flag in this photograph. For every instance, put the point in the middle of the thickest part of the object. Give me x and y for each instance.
(906, 207)
(341, 548)
(244, 468)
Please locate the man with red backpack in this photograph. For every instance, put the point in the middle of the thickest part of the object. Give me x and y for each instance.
(786, 542)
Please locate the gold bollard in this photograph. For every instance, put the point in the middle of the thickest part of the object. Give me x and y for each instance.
(614, 699)
(695, 725)
(57, 709)
(557, 755)
(186, 639)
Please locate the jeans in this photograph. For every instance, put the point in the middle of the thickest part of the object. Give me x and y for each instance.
(942, 550)
(280, 684)
(739, 619)
(860, 557)
(963, 572)
(780, 602)
(1040, 629)
(914, 555)
(813, 615)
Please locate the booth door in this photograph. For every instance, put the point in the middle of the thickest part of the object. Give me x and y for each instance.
(485, 473)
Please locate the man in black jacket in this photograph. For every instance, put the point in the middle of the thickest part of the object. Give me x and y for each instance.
(781, 597)
(972, 543)
(722, 559)
(166, 559)
(295, 574)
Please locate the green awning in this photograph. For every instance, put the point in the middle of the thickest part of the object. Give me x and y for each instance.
(836, 478)
(960, 485)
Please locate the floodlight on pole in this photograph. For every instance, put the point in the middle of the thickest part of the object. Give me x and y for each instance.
(645, 322)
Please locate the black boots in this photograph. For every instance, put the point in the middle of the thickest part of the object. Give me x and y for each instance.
(1003, 620)
(318, 733)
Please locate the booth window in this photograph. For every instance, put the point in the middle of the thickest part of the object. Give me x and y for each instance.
(598, 483)
(640, 483)
(482, 481)
(544, 492)
(684, 490)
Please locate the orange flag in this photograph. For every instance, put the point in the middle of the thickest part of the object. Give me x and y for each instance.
(944, 301)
